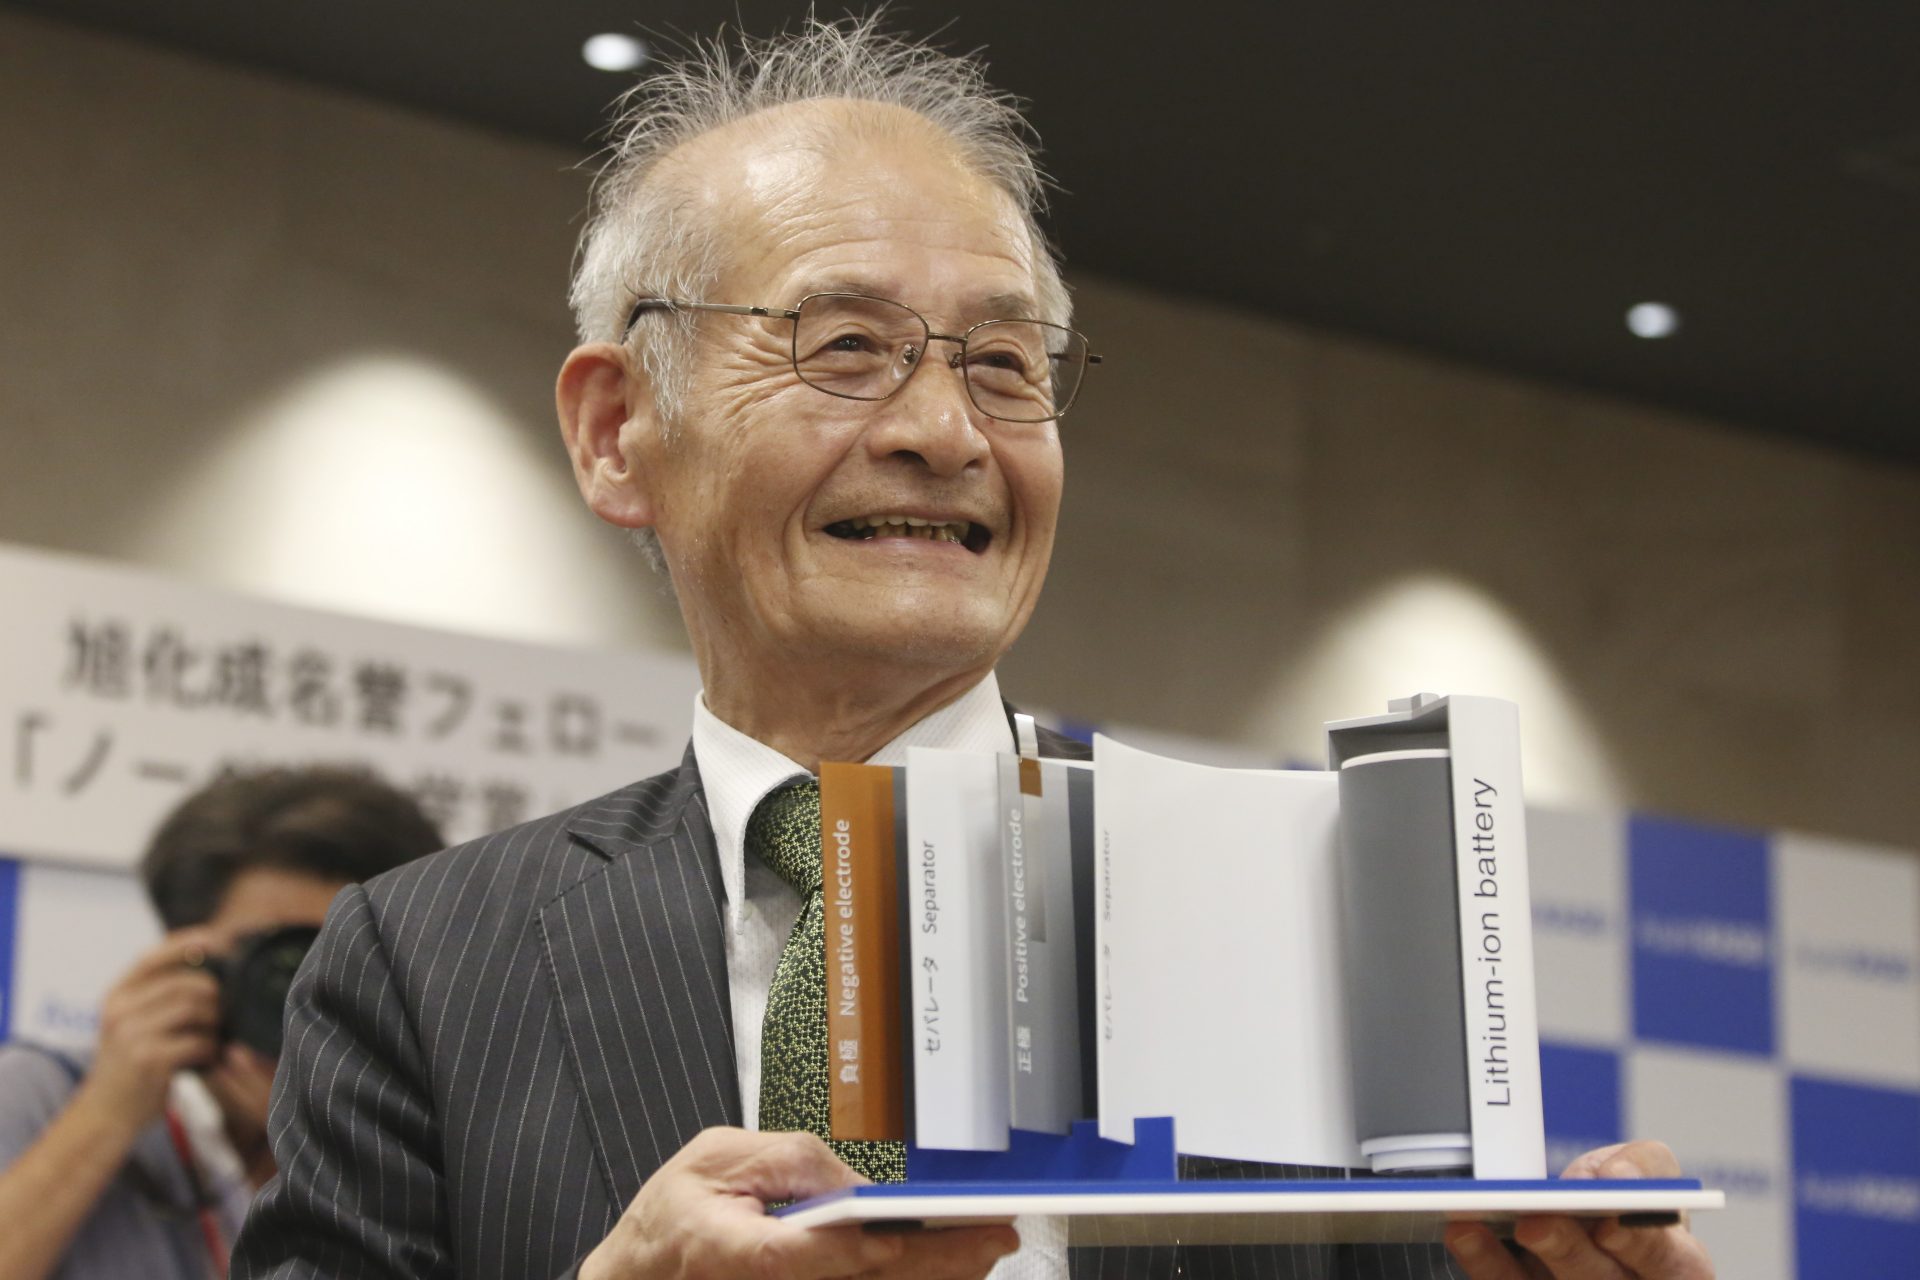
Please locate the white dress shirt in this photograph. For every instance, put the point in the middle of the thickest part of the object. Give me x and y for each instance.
(737, 772)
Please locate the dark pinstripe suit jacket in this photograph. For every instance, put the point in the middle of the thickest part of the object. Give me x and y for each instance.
(491, 1049)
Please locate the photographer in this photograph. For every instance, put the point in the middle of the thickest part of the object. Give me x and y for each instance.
(141, 1162)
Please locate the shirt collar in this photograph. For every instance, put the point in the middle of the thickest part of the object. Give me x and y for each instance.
(737, 771)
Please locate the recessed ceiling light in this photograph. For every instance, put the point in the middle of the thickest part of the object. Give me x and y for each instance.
(612, 51)
(1652, 319)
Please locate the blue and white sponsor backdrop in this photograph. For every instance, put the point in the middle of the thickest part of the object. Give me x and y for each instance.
(1752, 999)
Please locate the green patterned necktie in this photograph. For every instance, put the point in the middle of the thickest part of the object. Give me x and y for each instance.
(784, 832)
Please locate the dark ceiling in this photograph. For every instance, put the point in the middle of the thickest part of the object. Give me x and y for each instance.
(1496, 181)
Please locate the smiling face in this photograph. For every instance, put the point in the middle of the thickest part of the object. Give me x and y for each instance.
(806, 532)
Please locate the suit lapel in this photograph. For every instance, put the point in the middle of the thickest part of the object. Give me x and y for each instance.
(638, 965)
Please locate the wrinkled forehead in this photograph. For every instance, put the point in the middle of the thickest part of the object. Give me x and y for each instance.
(796, 193)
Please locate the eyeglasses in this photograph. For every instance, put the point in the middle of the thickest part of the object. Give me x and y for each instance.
(862, 348)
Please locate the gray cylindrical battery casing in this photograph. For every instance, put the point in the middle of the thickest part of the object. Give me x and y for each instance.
(1402, 942)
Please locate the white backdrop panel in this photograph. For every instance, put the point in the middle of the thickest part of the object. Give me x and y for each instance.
(79, 930)
(121, 691)
(1849, 919)
(1725, 1116)
(1579, 879)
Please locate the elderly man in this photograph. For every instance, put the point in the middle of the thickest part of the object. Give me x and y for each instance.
(825, 355)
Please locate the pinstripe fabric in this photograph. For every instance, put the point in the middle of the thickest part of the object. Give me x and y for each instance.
(491, 1049)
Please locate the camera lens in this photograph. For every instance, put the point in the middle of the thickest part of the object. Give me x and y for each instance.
(256, 980)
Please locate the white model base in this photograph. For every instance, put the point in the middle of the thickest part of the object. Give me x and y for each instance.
(1419, 1152)
(1252, 1213)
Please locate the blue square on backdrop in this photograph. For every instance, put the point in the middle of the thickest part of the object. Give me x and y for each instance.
(1581, 1095)
(9, 930)
(1856, 1161)
(1702, 920)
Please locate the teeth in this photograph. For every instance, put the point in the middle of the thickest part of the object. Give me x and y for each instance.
(909, 527)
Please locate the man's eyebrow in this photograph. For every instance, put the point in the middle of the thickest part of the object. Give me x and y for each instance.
(1009, 306)
(995, 306)
(848, 284)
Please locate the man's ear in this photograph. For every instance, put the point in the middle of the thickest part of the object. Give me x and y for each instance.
(597, 394)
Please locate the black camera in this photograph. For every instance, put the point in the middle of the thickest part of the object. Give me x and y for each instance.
(254, 981)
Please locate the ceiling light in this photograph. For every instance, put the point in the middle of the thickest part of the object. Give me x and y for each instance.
(612, 51)
(1652, 319)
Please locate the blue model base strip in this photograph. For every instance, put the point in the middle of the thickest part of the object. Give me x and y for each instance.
(1439, 1188)
(1078, 1156)
(9, 928)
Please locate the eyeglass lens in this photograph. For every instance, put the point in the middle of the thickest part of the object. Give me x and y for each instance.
(864, 348)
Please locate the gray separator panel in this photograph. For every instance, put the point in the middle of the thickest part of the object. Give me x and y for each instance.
(1402, 944)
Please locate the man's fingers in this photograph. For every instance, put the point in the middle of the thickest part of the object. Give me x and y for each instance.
(1587, 1164)
(792, 1166)
(951, 1253)
(171, 989)
(176, 1010)
(181, 949)
(827, 1253)
(160, 1003)
(183, 1049)
(235, 1076)
(1641, 1160)
(1626, 1160)
(1480, 1253)
(1566, 1249)
(704, 1208)
(248, 1062)
(823, 1253)
(1668, 1253)
(247, 1073)
(830, 1253)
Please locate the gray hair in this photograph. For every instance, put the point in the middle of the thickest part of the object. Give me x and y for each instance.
(646, 237)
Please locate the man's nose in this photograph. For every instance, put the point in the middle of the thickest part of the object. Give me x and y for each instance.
(932, 419)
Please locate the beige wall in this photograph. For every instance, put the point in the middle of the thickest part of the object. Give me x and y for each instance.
(267, 337)
(243, 318)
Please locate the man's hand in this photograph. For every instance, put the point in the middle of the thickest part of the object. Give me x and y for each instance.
(163, 1016)
(241, 1080)
(703, 1214)
(1566, 1249)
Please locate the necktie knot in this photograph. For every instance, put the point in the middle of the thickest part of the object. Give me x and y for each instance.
(784, 833)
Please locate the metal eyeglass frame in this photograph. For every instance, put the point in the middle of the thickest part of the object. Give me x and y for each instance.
(955, 361)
